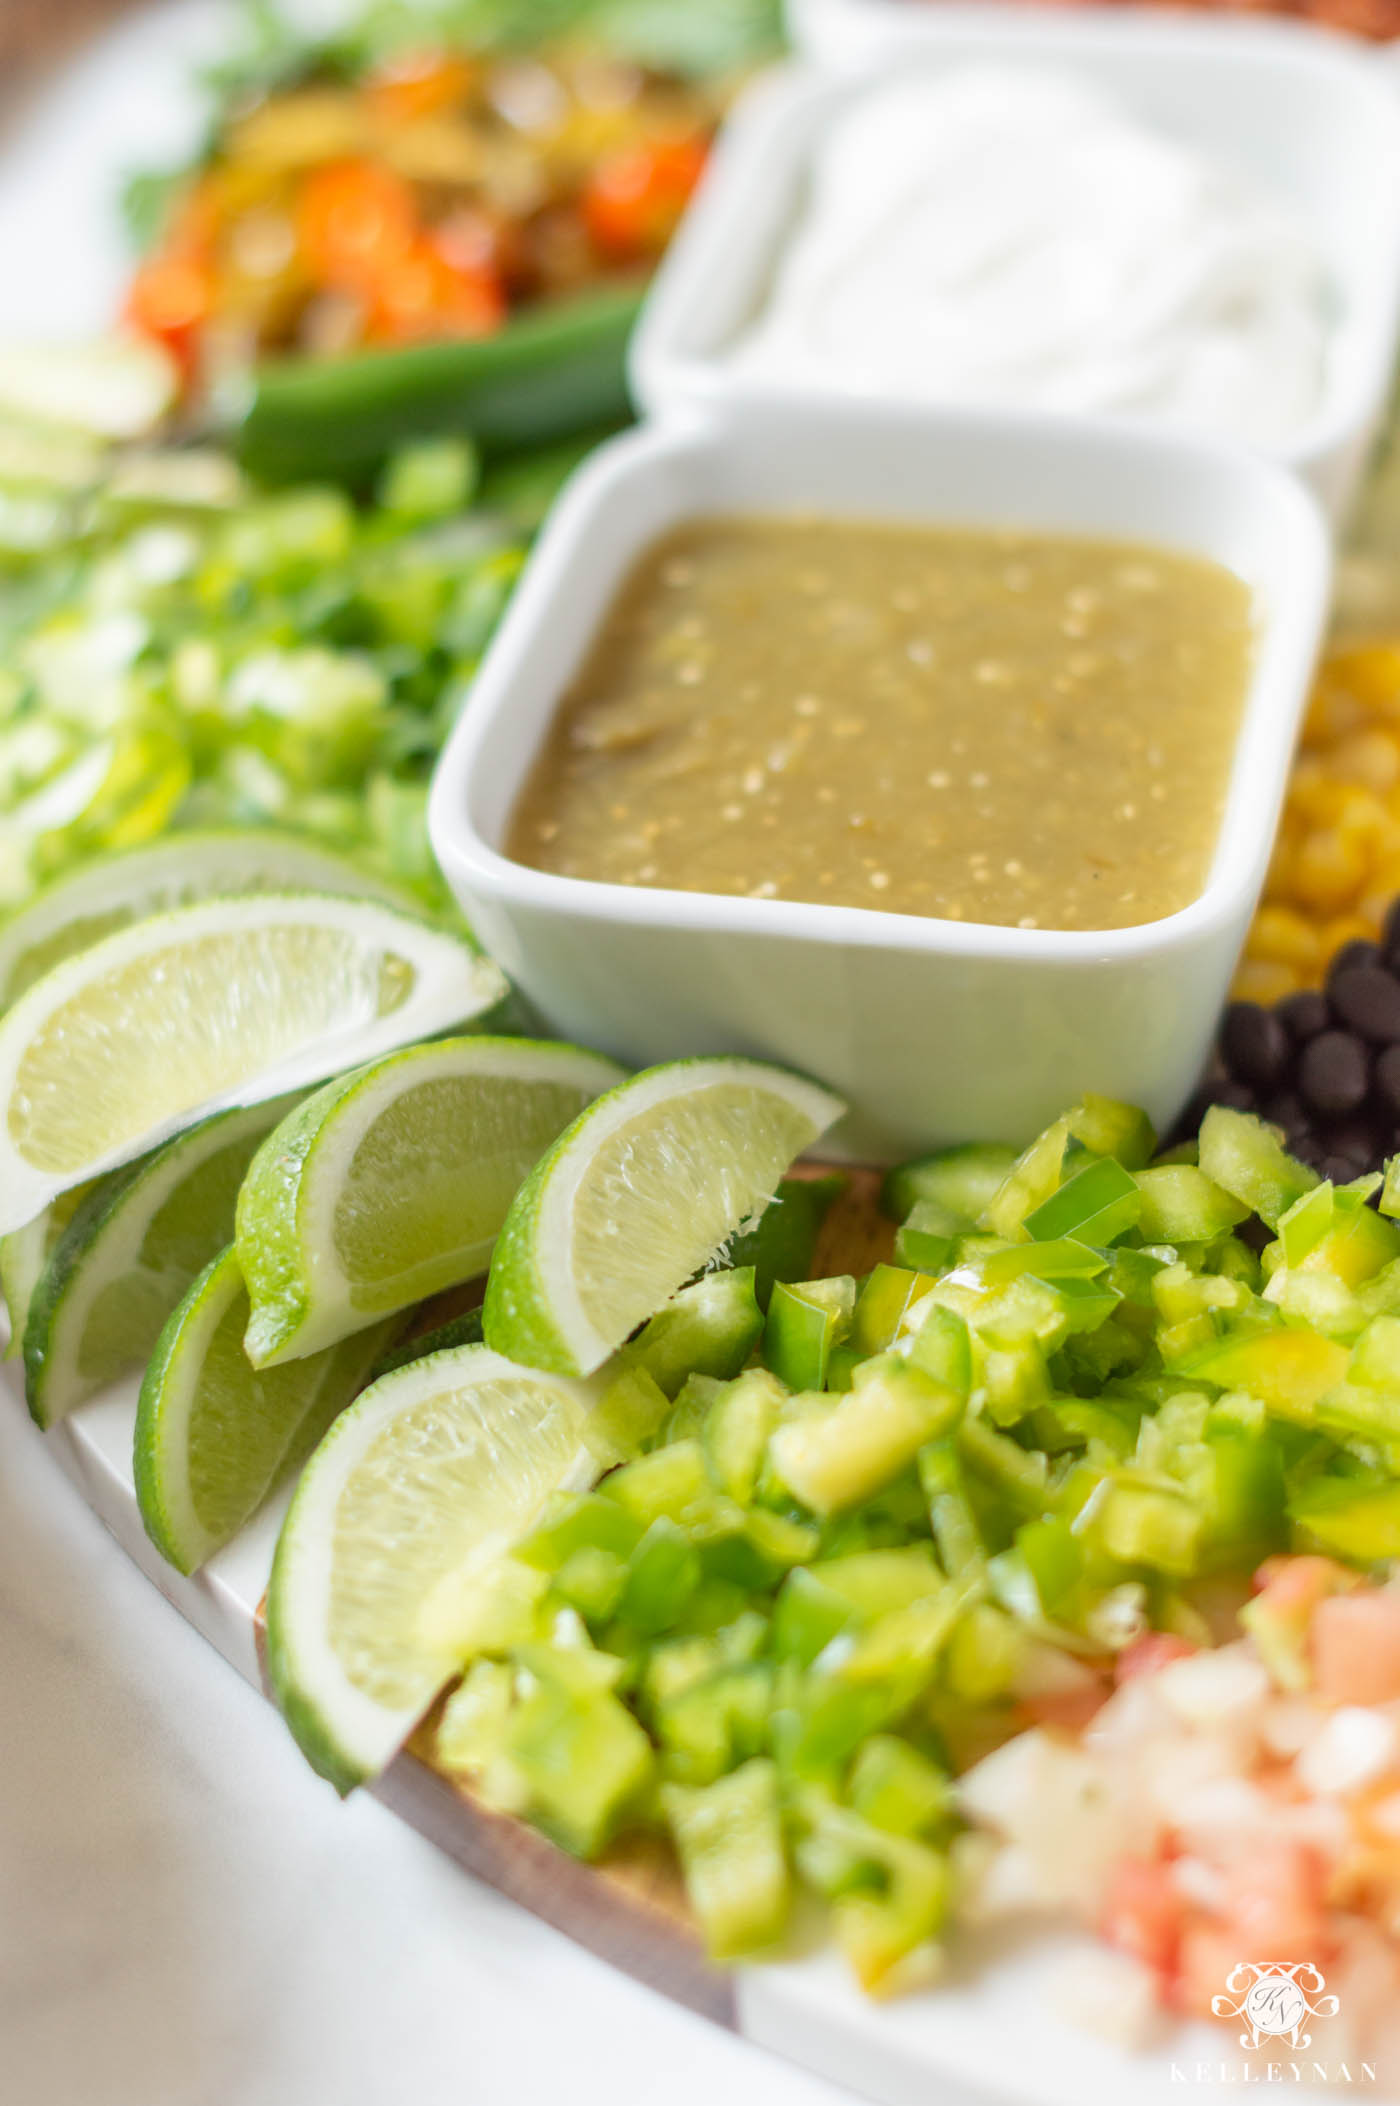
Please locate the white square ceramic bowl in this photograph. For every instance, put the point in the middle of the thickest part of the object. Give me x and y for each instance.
(1300, 113)
(933, 1030)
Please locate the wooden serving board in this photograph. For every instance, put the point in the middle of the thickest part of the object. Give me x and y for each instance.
(990, 2033)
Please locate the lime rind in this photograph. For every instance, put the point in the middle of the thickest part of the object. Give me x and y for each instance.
(536, 1307)
(23, 1255)
(411, 1431)
(293, 1231)
(87, 904)
(104, 1030)
(102, 1247)
(208, 1424)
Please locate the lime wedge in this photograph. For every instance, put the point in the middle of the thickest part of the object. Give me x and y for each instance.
(392, 1183)
(91, 902)
(23, 1255)
(129, 1254)
(416, 1491)
(641, 1190)
(226, 1002)
(212, 1435)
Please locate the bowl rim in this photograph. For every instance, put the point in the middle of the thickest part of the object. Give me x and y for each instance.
(1287, 649)
(768, 118)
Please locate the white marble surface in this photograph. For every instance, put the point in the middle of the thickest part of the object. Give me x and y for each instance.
(189, 1918)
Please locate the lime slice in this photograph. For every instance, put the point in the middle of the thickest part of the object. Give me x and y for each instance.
(23, 1255)
(226, 1002)
(416, 1491)
(212, 1435)
(129, 1254)
(641, 1190)
(91, 902)
(392, 1183)
(117, 387)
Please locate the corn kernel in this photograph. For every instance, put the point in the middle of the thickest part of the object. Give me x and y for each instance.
(1314, 795)
(1335, 870)
(1279, 878)
(1374, 906)
(1333, 712)
(1370, 758)
(1347, 928)
(1280, 936)
(1370, 672)
(1363, 817)
(1329, 871)
(1262, 980)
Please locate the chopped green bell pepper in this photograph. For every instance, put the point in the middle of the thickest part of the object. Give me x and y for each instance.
(1245, 1157)
(1182, 1205)
(709, 1328)
(783, 1241)
(1095, 1205)
(961, 1181)
(581, 1757)
(804, 1322)
(869, 1435)
(886, 1298)
(729, 1836)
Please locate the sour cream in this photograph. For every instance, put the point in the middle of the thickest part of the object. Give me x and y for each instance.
(1015, 238)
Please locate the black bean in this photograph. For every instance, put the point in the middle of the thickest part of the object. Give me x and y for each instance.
(1367, 1000)
(1237, 1095)
(1385, 1080)
(1285, 1109)
(1350, 956)
(1255, 1044)
(1310, 1148)
(1353, 1141)
(1339, 1168)
(1304, 1015)
(1333, 1074)
(1390, 933)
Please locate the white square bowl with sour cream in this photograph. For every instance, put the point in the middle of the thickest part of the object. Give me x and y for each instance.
(1300, 115)
(934, 1031)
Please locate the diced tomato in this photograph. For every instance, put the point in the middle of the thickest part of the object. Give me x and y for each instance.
(1355, 1646)
(1273, 1903)
(1294, 1586)
(355, 222)
(1206, 1954)
(421, 297)
(171, 298)
(420, 83)
(473, 240)
(1070, 1708)
(1143, 1913)
(1146, 1655)
(635, 197)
